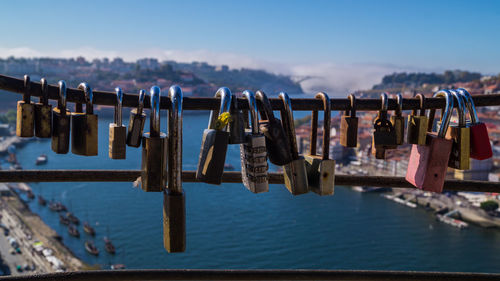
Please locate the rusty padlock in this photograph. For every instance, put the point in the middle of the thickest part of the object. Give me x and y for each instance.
(154, 149)
(215, 141)
(417, 124)
(349, 125)
(398, 121)
(174, 202)
(25, 121)
(85, 126)
(460, 134)
(118, 132)
(61, 123)
(277, 142)
(428, 163)
(136, 122)
(43, 112)
(479, 139)
(321, 169)
(295, 173)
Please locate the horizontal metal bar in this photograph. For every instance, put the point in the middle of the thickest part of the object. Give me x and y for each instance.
(299, 274)
(16, 85)
(229, 177)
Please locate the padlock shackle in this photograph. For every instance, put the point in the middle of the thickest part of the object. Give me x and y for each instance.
(470, 105)
(326, 127)
(27, 89)
(422, 104)
(446, 115)
(154, 118)
(287, 119)
(225, 106)
(142, 96)
(254, 115)
(61, 103)
(384, 105)
(118, 106)
(352, 107)
(267, 111)
(462, 118)
(399, 101)
(44, 86)
(89, 97)
(174, 175)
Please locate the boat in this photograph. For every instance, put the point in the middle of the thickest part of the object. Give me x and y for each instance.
(108, 246)
(56, 206)
(72, 218)
(73, 231)
(41, 160)
(91, 248)
(64, 220)
(117, 266)
(30, 194)
(88, 229)
(41, 200)
(228, 166)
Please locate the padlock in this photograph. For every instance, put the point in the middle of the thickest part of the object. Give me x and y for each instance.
(398, 121)
(85, 126)
(136, 122)
(43, 113)
(480, 146)
(428, 163)
(118, 132)
(295, 173)
(154, 149)
(237, 123)
(253, 153)
(174, 202)
(61, 123)
(215, 141)
(384, 135)
(417, 124)
(321, 169)
(349, 125)
(25, 122)
(460, 134)
(277, 142)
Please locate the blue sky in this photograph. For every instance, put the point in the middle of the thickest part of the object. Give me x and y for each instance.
(338, 38)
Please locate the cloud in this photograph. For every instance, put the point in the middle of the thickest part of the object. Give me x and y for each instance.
(333, 78)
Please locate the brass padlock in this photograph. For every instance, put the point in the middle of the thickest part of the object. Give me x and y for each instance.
(321, 169)
(349, 125)
(25, 122)
(398, 121)
(154, 149)
(237, 123)
(118, 132)
(85, 126)
(460, 134)
(61, 123)
(174, 202)
(295, 173)
(43, 113)
(214, 142)
(136, 122)
(384, 135)
(417, 124)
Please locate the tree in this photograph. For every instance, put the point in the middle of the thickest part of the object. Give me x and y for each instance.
(489, 205)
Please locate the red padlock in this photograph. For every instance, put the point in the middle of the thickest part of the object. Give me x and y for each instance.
(480, 146)
(428, 163)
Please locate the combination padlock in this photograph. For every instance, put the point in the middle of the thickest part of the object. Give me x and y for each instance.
(43, 112)
(321, 169)
(85, 126)
(479, 140)
(253, 153)
(25, 121)
(384, 135)
(349, 125)
(428, 163)
(174, 202)
(154, 149)
(277, 142)
(136, 122)
(295, 173)
(417, 124)
(460, 134)
(61, 123)
(118, 132)
(237, 123)
(215, 141)
(398, 121)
